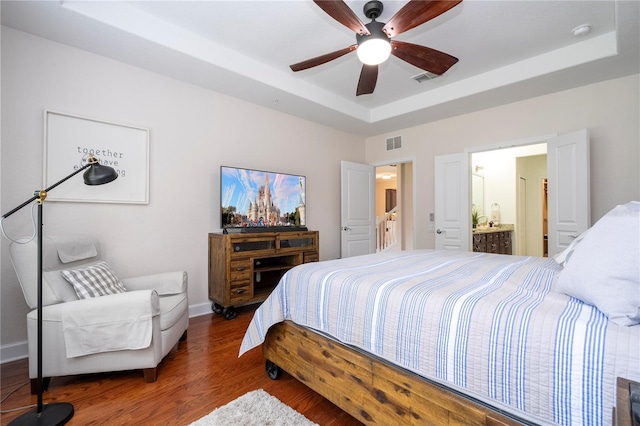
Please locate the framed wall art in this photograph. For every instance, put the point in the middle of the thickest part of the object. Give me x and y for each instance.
(69, 140)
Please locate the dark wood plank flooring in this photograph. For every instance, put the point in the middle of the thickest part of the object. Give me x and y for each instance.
(203, 374)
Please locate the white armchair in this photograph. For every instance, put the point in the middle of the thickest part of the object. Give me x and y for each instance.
(125, 331)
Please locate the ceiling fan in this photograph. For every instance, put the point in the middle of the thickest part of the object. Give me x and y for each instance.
(374, 38)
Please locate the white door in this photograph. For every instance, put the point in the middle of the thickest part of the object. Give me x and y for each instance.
(568, 189)
(358, 218)
(452, 211)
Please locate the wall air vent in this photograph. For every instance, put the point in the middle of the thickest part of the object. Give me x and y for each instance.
(394, 143)
(425, 76)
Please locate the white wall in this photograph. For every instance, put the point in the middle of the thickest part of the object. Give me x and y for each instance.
(610, 110)
(192, 132)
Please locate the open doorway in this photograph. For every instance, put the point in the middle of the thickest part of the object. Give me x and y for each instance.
(394, 206)
(568, 193)
(531, 229)
(513, 180)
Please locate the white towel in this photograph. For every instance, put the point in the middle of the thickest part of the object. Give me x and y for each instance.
(109, 323)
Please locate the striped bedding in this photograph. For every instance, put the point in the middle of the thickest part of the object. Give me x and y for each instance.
(488, 325)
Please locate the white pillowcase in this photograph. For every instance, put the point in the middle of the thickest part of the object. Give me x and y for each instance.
(565, 254)
(603, 270)
(94, 281)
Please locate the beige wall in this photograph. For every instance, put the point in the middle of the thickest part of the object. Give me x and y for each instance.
(609, 110)
(193, 132)
(406, 188)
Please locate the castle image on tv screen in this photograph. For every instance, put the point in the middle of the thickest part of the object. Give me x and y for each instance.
(257, 198)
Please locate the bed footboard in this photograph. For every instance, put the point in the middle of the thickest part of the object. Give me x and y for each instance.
(372, 391)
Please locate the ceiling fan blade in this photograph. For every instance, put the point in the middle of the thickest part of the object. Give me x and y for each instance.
(323, 59)
(415, 13)
(425, 58)
(339, 11)
(368, 80)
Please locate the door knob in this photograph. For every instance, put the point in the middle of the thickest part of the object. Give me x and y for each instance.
(346, 228)
(439, 231)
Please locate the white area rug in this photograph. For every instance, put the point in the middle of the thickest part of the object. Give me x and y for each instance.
(256, 408)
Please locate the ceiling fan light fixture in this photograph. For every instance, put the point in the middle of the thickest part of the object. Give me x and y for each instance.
(375, 47)
(374, 51)
(373, 44)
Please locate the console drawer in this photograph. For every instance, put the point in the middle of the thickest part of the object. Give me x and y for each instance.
(240, 270)
(240, 290)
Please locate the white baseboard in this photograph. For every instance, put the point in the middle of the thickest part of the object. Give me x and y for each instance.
(20, 350)
(13, 352)
(200, 309)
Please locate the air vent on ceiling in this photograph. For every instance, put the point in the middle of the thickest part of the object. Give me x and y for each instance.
(425, 76)
(394, 143)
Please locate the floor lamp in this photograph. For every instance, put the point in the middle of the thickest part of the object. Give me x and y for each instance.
(57, 413)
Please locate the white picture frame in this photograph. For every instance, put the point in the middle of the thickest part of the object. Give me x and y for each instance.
(68, 142)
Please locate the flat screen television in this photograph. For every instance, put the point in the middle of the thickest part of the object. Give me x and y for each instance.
(260, 199)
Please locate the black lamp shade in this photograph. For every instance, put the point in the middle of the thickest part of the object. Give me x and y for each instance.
(98, 174)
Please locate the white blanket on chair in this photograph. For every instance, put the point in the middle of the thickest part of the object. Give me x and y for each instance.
(109, 323)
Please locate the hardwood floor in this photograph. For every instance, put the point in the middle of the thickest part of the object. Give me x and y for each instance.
(203, 374)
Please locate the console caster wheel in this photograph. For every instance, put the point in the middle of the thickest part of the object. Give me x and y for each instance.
(217, 309)
(273, 371)
(230, 313)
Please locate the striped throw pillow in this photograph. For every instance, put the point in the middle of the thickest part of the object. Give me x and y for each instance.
(94, 281)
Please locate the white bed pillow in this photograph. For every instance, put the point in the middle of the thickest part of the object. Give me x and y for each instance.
(603, 270)
(565, 254)
(94, 281)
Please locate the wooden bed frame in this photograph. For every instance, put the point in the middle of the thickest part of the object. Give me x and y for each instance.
(371, 390)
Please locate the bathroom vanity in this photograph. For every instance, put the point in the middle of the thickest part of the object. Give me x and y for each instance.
(495, 239)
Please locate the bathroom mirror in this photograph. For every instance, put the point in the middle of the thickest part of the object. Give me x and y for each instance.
(477, 193)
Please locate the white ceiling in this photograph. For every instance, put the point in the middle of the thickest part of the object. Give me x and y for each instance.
(508, 50)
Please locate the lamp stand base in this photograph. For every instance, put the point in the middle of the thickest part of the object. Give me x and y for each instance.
(54, 414)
